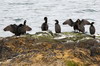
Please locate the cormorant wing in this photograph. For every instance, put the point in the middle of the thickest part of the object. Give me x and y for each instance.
(28, 28)
(85, 22)
(69, 22)
(12, 28)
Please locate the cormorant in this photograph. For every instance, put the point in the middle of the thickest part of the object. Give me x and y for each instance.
(57, 27)
(81, 25)
(22, 28)
(78, 25)
(18, 30)
(44, 26)
(72, 24)
(92, 29)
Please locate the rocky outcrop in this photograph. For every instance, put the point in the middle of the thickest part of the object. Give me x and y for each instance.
(48, 49)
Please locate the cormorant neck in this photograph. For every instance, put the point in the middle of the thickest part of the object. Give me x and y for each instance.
(25, 22)
(57, 22)
(45, 20)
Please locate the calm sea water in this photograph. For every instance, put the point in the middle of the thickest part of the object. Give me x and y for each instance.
(16, 11)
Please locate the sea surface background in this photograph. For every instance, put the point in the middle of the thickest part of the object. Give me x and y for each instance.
(34, 11)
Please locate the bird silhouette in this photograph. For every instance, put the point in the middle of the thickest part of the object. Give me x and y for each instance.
(44, 26)
(57, 27)
(18, 29)
(78, 25)
(92, 29)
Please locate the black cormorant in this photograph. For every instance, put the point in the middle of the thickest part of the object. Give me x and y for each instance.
(81, 25)
(22, 28)
(57, 27)
(72, 24)
(92, 29)
(44, 26)
(78, 25)
(18, 29)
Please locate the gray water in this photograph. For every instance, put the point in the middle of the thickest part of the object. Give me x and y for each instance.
(16, 11)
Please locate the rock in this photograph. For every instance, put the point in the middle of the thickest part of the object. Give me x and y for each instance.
(95, 50)
(48, 49)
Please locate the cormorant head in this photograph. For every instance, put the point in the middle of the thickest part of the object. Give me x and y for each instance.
(25, 22)
(57, 21)
(92, 23)
(45, 18)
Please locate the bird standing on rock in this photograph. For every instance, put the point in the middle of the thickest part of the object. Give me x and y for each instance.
(57, 27)
(92, 29)
(18, 29)
(81, 25)
(72, 24)
(78, 25)
(22, 28)
(44, 26)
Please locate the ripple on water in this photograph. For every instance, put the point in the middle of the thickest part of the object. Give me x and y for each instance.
(18, 19)
(79, 12)
(21, 3)
(89, 10)
(16, 11)
(85, 10)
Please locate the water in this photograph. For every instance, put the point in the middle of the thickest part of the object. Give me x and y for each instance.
(16, 11)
